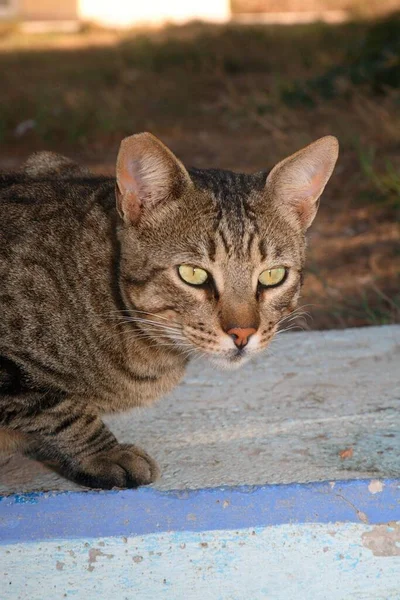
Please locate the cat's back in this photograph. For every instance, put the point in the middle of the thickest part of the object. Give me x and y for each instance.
(57, 238)
(47, 217)
(32, 205)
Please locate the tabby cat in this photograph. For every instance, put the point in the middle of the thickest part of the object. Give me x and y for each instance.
(108, 287)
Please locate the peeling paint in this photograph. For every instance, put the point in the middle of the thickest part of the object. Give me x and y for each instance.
(137, 559)
(383, 540)
(375, 486)
(356, 560)
(94, 553)
(362, 516)
(100, 514)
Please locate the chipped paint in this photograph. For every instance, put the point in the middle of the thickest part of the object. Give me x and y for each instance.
(137, 559)
(383, 540)
(94, 553)
(279, 562)
(331, 540)
(101, 514)
(375, 487)
(362, 516)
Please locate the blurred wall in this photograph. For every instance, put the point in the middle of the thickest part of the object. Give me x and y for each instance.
(38, 10)
(120, 13)
(354, 6)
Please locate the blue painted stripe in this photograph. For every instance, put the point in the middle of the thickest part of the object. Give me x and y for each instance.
(67, 515)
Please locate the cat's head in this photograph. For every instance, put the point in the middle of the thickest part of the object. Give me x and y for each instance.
(211, 261)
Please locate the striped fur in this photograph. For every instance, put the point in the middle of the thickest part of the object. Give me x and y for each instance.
(94, 318)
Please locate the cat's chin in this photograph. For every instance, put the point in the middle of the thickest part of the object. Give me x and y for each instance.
(229, 363)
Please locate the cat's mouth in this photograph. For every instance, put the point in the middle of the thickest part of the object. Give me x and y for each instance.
(231, 360)
(227, 363)
(223, 351)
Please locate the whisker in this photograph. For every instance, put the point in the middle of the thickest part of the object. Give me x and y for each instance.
(291, 328)
(151, 322)
(141, 320)
(134, 310)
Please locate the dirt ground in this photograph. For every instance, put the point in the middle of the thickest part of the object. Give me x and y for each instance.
(229, 97)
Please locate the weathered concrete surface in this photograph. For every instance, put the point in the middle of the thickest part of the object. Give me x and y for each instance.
(283, 418)
(309, 562)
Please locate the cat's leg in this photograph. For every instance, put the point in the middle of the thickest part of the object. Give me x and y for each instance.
(78, 444)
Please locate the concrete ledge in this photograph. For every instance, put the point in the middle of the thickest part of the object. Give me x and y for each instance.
(71, 515)
(325, 541)
(284, 418)
(320, 406)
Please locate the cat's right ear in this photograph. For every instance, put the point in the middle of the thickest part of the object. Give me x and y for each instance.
(148, 174)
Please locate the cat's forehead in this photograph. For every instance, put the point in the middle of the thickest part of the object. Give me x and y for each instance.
(226, 220)
(230, 194)
(229, 189)
(244, 231)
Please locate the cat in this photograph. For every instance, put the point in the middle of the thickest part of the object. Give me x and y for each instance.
(109, 287)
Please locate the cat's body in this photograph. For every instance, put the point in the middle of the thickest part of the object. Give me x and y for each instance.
(61, 268)
(95, 314)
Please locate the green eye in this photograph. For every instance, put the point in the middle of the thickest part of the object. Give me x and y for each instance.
(192, 275)
(272, 277)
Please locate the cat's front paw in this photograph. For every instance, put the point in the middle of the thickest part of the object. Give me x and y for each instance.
(124, 466)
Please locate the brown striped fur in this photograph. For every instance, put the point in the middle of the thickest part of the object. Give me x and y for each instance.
(94, 317)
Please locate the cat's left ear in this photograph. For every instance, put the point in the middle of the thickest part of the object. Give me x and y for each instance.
(298, 181)
(148, 174)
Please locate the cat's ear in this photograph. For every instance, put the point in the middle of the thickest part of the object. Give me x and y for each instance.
(148, 173)
(298, 181)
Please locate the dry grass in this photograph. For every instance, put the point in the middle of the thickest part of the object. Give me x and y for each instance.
(230, 97)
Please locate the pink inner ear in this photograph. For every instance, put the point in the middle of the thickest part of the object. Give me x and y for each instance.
(128, 192)
(306, 202)
(128, 203)
(299, 180)
(126, 179)
(147, 174)
(131, 206)
(306, 209)
(314, 187)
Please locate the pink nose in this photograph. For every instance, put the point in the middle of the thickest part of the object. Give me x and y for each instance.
(241, 335)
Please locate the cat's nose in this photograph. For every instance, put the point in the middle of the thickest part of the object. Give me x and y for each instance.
(241, 335)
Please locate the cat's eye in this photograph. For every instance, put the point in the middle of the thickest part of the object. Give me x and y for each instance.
(272, 277)
(192, 275)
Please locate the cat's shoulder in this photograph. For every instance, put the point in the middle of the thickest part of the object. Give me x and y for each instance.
(49, 190)
(47, 164)
(50, 178)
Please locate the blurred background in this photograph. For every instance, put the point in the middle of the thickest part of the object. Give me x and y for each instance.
(236, 85)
